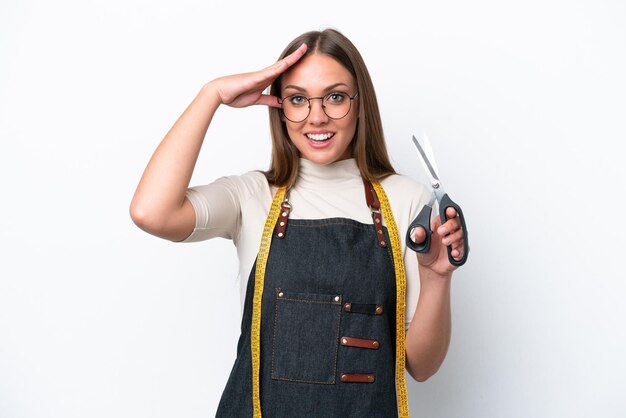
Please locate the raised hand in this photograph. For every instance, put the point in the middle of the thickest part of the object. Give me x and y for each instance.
(242, 90)
(159, 205)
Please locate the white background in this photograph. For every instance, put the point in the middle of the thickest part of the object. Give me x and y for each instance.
(524, 103)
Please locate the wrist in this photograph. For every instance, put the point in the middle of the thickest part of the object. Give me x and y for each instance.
(210, 93)
(429, 276)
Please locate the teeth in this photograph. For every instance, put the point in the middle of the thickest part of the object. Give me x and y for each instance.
(319, 137)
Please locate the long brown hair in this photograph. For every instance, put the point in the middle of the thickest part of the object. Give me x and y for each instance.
(368, 144)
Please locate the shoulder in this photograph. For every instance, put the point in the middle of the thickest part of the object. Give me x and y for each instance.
(250, 181)
(403, 188)
(406, 197)
(245, 186)
(235, 190)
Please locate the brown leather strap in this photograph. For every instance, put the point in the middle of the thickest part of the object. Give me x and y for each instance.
(374, 204)
(359, 342)
(283, 218)
(370, 195)
(357, 377)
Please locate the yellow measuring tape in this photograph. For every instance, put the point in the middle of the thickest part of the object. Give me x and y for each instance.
(259, 278)
(398, 262)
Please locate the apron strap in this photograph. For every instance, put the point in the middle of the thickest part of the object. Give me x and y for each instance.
(374, 204)
(283, 218)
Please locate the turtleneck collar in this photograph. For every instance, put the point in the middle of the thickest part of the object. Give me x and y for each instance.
(334, 175)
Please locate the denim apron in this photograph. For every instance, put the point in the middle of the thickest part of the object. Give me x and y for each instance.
(328, 327)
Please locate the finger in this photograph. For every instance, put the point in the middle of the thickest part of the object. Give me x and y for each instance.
(419, 235)
(435, 224)
(269, 100)
(296, 55)
(450, 212)
(453, 238)
(451, 223)
(449, 227)
(266, 76)
(456, 254)
(281, 66)
(459, 249)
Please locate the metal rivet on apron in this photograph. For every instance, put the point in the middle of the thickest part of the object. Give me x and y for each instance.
(375, 344)
(344, 341)
(280, 295)
(284, 214)
(336, 298)
(282, 223)
(380, 232)
(370, 378)
(280, 234)
(343, 377)
(379, 310)
(377, 220)
(383, 243)
(347, 306)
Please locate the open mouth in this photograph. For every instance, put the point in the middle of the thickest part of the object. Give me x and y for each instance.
(319, 138)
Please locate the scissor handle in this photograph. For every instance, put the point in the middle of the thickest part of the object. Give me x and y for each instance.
(446, 203)
(422, 220)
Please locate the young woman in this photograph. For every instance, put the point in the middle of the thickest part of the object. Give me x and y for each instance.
(335, 304)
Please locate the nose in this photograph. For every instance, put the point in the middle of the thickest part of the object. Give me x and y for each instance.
(316, 111)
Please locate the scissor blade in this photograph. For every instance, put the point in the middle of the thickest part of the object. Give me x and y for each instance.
(428, 149)
(425, 159)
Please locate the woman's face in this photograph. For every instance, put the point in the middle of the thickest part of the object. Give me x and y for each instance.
(319, 138)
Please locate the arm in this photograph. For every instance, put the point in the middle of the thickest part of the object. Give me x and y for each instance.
(428, 337)
(159, 205)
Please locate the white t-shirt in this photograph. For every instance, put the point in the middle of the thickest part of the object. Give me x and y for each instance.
(236, 207)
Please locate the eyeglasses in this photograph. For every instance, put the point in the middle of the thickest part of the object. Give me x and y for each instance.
(336, 105)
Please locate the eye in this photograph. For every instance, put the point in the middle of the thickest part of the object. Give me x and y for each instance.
(297, 100)
(336, 97)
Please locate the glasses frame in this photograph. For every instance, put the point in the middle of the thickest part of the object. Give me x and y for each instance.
(308, 99)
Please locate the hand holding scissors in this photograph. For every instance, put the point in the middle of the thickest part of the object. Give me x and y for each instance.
(423, 218)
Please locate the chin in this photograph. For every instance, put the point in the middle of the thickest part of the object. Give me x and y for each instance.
(324, 159)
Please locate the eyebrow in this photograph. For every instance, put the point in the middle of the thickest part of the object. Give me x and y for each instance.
(327, 89)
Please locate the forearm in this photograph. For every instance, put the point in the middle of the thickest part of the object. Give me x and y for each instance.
(161, 190)
(428, 337)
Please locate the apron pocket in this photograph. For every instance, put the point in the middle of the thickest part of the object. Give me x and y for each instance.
(306, 337)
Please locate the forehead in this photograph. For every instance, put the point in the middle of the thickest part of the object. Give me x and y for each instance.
(316, 72)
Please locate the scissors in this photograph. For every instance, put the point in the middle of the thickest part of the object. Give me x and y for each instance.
(438, 193)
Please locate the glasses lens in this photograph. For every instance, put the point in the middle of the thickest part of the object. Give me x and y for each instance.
(296, 108)
(337, 105)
